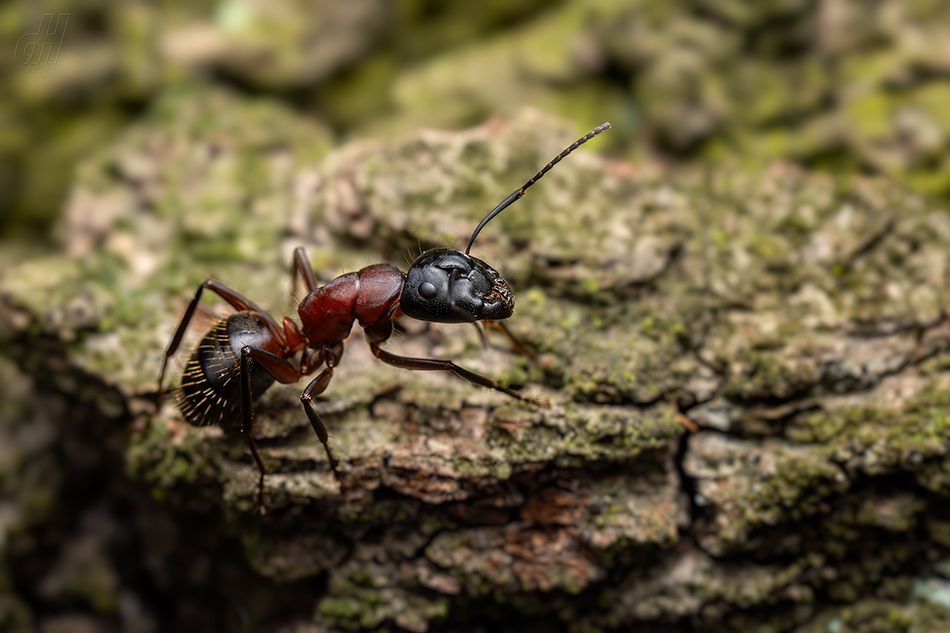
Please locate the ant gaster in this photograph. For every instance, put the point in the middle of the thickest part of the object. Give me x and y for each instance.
(245, 353)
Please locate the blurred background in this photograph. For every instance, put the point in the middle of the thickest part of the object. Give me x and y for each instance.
(842, 85)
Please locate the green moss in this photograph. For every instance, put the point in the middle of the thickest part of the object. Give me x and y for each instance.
(919, 427)
(96, 588)
(770, 376)
(156, 458)
(767, 246)
(345, 611)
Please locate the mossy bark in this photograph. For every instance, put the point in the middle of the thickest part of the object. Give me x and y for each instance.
(797, 320)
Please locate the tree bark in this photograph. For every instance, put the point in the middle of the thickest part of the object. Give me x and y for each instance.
(747, 376)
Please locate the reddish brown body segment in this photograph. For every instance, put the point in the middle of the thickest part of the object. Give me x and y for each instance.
(369, 296)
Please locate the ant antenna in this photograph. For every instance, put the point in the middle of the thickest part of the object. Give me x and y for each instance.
(520, 191)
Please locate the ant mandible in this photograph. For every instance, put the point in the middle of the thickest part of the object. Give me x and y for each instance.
(245, 353)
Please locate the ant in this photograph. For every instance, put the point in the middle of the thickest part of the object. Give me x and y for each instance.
(245, 353)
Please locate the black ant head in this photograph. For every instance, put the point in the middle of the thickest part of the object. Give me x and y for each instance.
(444, 285)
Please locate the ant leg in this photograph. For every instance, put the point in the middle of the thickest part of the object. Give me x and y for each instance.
(317, 386)
(283, 372)
(482, 330)
(516, 344)
(235, 299)
(300, 267)
(248, 425)
(431, 364)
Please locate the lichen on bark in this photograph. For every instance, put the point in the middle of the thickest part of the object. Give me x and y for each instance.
(798, 319)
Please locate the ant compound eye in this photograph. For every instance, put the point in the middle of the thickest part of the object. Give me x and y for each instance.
(428, 291)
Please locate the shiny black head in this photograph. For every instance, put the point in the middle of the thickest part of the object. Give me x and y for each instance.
(444, 285)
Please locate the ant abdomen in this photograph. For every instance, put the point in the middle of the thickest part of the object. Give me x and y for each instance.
(210, 391)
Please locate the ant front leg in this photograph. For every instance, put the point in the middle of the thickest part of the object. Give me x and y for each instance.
(235, 299)
(378, 333)
(517, 345)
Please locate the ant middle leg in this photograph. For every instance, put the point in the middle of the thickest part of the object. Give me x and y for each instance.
(284, 373)
(317, 386)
